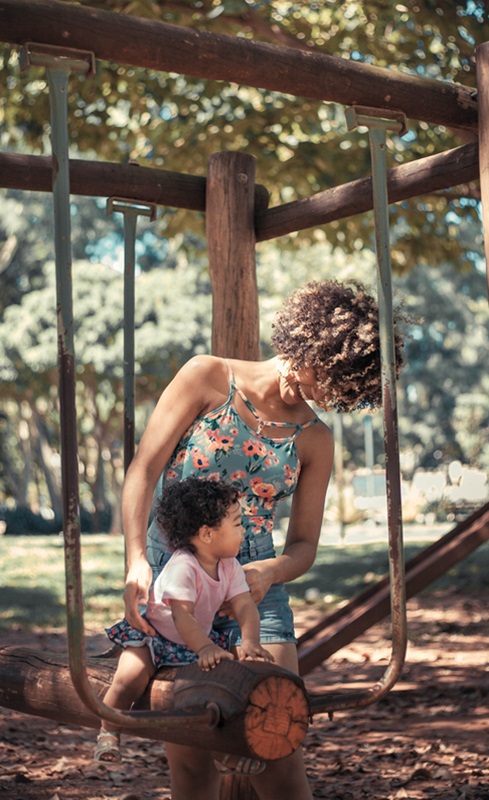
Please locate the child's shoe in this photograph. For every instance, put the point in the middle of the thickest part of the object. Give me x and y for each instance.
(228, 764)
(107, 748)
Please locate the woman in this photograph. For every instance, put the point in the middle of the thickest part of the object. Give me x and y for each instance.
(251, 422)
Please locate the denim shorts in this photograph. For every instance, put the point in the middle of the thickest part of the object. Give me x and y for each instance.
(276, 618)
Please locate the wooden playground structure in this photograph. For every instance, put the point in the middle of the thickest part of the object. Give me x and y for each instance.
(252, 709)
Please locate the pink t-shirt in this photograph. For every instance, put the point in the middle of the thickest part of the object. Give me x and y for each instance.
(182, 578)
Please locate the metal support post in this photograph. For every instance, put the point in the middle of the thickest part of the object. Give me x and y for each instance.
(378, 123)
(59, 63)
(130, 209)
(482, 63)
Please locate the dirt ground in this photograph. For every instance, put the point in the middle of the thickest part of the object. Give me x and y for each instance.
(427, 739)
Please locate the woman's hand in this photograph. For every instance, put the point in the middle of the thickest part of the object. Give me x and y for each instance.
(138, 581)
(259, 576)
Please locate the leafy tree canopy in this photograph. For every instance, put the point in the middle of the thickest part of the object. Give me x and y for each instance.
(171, 324)
(176, 122)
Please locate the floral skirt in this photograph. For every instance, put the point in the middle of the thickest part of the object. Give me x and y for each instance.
(164, 653)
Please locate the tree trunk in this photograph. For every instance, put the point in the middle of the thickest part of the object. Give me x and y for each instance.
(44, 455)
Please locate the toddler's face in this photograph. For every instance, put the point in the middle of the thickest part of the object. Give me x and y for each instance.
(229, 535)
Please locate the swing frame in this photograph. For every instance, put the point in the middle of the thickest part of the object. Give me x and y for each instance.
(230, 185)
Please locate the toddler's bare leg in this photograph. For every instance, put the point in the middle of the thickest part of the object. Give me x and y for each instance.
(134, 671)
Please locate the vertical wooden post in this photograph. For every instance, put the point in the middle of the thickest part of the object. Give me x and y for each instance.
(230, 211)
(483, 103)
(230, 201)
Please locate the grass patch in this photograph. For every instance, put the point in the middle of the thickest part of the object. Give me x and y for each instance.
(33, 581)
(32, 594)
(341, 572)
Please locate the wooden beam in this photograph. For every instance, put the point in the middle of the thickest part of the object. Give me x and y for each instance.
(99, 179)
(109, 179)
(231, 244)
(423, 176)
(264, 709)
(482, 61)
(344, 625)
(159, 46)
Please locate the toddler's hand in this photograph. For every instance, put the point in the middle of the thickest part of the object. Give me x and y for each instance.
(253, 651)
(212, 654)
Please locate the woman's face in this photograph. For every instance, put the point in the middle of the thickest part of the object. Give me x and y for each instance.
(301, 384)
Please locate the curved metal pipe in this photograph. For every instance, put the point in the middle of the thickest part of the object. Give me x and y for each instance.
(378, 122)
(59, 63)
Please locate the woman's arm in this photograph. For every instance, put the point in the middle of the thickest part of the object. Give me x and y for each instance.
(193, 390)
(316, 455)
(246, 615)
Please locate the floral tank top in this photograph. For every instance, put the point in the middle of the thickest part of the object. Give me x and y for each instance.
(220, 445)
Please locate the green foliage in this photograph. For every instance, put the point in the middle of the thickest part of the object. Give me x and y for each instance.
(172, 322)
(26, 236)
(443, 378)
(302, 146)
(173, 308)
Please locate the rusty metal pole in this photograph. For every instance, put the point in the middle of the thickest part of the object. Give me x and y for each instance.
(130, 209)
(59, 63)
(482, 62)
(377, 123)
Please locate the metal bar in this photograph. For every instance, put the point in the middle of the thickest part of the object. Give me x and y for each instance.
(130, 209)
(377, 125)
(64, 58)
(58, 70)
(58, 67)
(482, 62)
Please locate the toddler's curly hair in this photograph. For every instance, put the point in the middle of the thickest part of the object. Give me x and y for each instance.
(184, 507)
(333, 328)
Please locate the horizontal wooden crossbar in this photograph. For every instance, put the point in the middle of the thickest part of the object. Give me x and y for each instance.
(156, 45)
(99, 179)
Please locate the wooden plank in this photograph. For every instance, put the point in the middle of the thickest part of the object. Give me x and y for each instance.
(157, 45)
(109, 179)
(342, 627)
(102, 179)
(482, 62)
(231, 245)
(426, 175)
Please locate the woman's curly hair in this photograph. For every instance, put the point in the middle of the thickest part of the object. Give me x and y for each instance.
(184, 507)
(333, 328)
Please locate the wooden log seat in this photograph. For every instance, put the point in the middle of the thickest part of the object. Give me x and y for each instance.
(264, 709)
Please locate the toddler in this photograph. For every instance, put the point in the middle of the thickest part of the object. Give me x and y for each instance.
(201, 521)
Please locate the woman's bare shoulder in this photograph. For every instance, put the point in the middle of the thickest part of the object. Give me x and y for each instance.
(316, 443)
(208, 373)
(322, 431)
